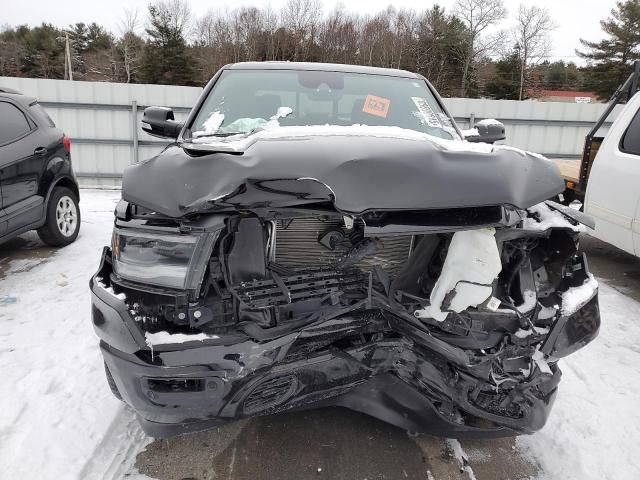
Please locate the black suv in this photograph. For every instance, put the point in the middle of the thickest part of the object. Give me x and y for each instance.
(37, 185)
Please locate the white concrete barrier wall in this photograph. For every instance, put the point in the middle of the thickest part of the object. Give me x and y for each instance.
(99, 118)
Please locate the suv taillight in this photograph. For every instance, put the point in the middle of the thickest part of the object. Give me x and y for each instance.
(66, 143)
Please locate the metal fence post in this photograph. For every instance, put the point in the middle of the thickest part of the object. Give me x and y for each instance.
(134, 130)
(472, 121)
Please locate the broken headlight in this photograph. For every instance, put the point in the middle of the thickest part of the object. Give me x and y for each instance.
(153, 258)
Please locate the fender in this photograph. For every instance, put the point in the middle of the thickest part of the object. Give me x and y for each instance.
(66, 180)
(58, 172)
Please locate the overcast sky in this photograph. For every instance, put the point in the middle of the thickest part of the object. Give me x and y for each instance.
(575, 18)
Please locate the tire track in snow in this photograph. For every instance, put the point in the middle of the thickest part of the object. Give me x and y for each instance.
(461, 457)
(115, 456)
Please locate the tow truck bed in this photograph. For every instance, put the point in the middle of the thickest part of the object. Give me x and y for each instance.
(569, 168)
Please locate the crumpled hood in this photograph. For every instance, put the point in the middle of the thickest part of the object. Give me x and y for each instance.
(378, 168)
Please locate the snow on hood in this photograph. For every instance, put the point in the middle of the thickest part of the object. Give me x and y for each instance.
(242, 142)
(271, 131)
(363, 167)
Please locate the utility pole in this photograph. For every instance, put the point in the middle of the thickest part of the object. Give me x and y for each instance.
(68, 72)
(522, 72)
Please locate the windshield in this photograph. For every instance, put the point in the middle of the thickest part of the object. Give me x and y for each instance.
(244, 101)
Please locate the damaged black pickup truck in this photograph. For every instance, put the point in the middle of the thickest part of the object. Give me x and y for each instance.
(323, 235)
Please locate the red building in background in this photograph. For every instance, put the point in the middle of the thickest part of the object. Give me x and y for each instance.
(566, 96)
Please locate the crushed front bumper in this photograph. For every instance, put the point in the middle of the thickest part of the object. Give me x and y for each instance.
(408, 378)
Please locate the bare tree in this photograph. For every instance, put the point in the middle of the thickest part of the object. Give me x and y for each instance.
(405, 29)
(130, 42)
(338, 37)
(302, 18)
(205, 29)
(130, 21)
(246, 26)
(531, 33)
(176, 15)
(213, 42)
(270, 24)
(374, 32)
(478, 16)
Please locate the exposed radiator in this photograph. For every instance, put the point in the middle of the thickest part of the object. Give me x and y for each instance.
(297, 246)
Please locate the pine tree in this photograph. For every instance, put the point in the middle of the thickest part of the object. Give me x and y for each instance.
(166, 59)
(505, 84)
(43, 51)
(612, 57)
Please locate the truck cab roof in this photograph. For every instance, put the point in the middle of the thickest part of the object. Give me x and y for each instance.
(322, 67)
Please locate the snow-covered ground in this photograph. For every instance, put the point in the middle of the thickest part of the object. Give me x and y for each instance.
(59, 420)
(594, 428)
(55, 407)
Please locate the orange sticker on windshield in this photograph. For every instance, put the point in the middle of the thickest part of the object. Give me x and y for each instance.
(377, 106)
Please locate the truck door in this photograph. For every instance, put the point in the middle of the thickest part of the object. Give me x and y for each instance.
(613, 192)
(636, 229)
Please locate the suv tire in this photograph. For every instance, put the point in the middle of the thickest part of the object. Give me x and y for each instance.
(62, 223)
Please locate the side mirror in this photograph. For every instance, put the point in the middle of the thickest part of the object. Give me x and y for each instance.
(488, 131)
(160, 122)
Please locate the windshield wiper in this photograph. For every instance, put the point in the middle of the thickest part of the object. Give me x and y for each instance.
(222, 134)
(226, 134)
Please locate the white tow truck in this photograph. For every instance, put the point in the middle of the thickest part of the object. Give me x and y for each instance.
(607, 179)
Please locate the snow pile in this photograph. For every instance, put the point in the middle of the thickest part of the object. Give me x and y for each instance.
(461, 457)
(282, 112)
(575, 298)
(212, 124)
(489, 121)
(548, 218)
(520, 333)
(530, 301)
(593, 432)
(109, 290)
(471, 132)
(164, 338)
(56, 405)
(539, 359)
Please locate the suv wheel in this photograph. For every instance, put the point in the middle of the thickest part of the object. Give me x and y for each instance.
(62, 224)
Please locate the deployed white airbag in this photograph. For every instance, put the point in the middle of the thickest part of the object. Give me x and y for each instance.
(471, 266)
